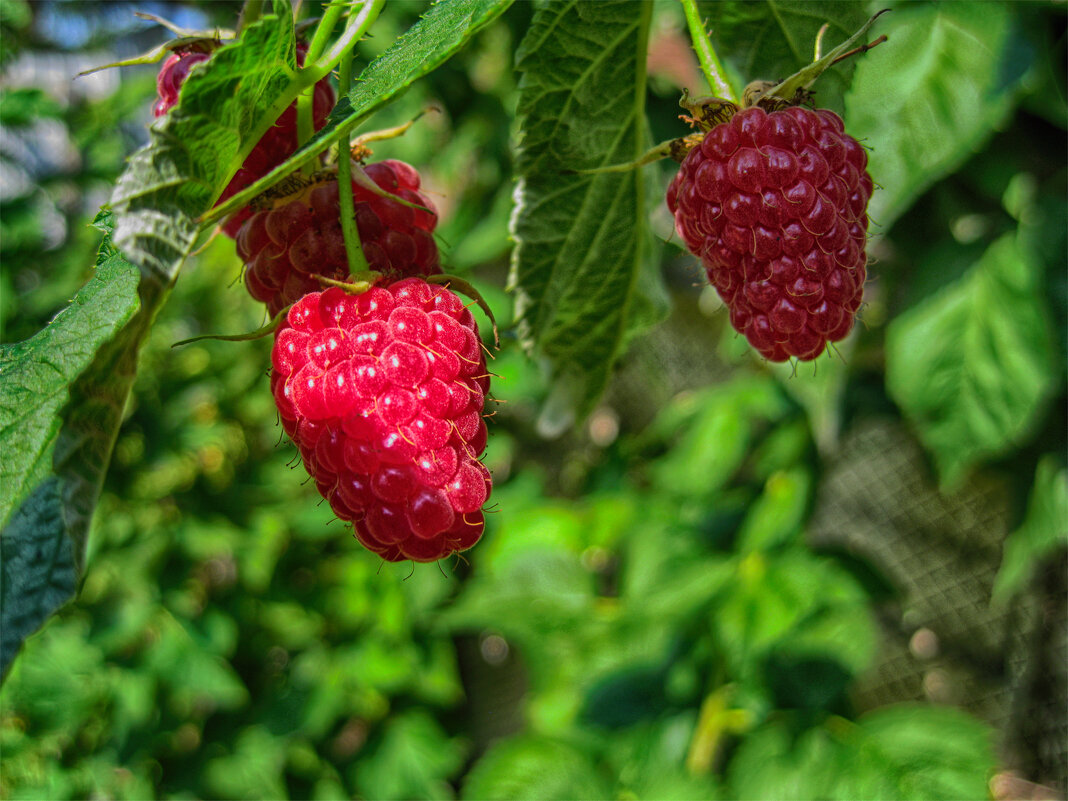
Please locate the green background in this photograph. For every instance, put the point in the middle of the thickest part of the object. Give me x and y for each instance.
(729, 580)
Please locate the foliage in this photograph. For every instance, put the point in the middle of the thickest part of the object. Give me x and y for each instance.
(645, 588)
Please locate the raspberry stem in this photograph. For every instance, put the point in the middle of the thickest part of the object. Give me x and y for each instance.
(322, 32)
(706, 54)
(305, 125)
(351, 234)
(306, 78)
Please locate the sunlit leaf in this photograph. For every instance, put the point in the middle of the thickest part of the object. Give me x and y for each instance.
(1044, 530)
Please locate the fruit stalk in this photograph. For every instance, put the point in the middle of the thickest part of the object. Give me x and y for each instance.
(326, 26)
(353, 248)
(706, 54)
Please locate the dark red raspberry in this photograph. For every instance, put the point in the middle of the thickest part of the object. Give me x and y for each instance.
(383, 395)
(273, 148)
(284, 247)
(775, 205)
(171, 77)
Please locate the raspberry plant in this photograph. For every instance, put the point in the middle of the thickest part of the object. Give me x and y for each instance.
(651, 568)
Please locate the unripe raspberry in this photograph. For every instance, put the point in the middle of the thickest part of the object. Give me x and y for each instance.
(284, 247)
(383, 395)
(273, 148)
(775, 205)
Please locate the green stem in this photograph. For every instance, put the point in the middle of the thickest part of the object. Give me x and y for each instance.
(306, 100)
(351, 234)
(706, 54)
(323, 31)
(305, 78)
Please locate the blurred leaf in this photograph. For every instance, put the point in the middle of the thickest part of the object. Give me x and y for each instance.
(194, 674)
(414, 759)
(786, 445)
(711, 432)
(529, 768)
(777, 515)
(626, 697)
(581, 240)
(15, 18)
(972, 365)
(254, 768)
(1044, 530)
(649, 762)
(806, 681)
(793, 601)
(923, 752)
(666, 574)
(20, 107)
(193, 149)
(772, 40)
(924, 101)
(53, 465)
(818, 389)
(910, 752)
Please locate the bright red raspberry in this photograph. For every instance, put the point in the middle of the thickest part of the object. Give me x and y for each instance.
(775, 205)
(273, 148)
(284, 247)
(383, 394)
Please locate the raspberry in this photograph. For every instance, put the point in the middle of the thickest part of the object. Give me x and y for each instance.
(284, 247)
(171, 77)
(775, 205)
(273, 148)
(383, 395)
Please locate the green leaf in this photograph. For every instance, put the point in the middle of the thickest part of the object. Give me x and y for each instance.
(972, 366)
(924, 101)
(796, 602)
(909, 752)
(35, 376)
(530, 768)
(819, 388)
(64, 393)
(414, 759)
(710, 447)
(19, 107)
(777, 515)
(582, 242)
(1044, 530)
(772, 40)
(253, 769)
(194, 149)
(441, 32)
(927, 752)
